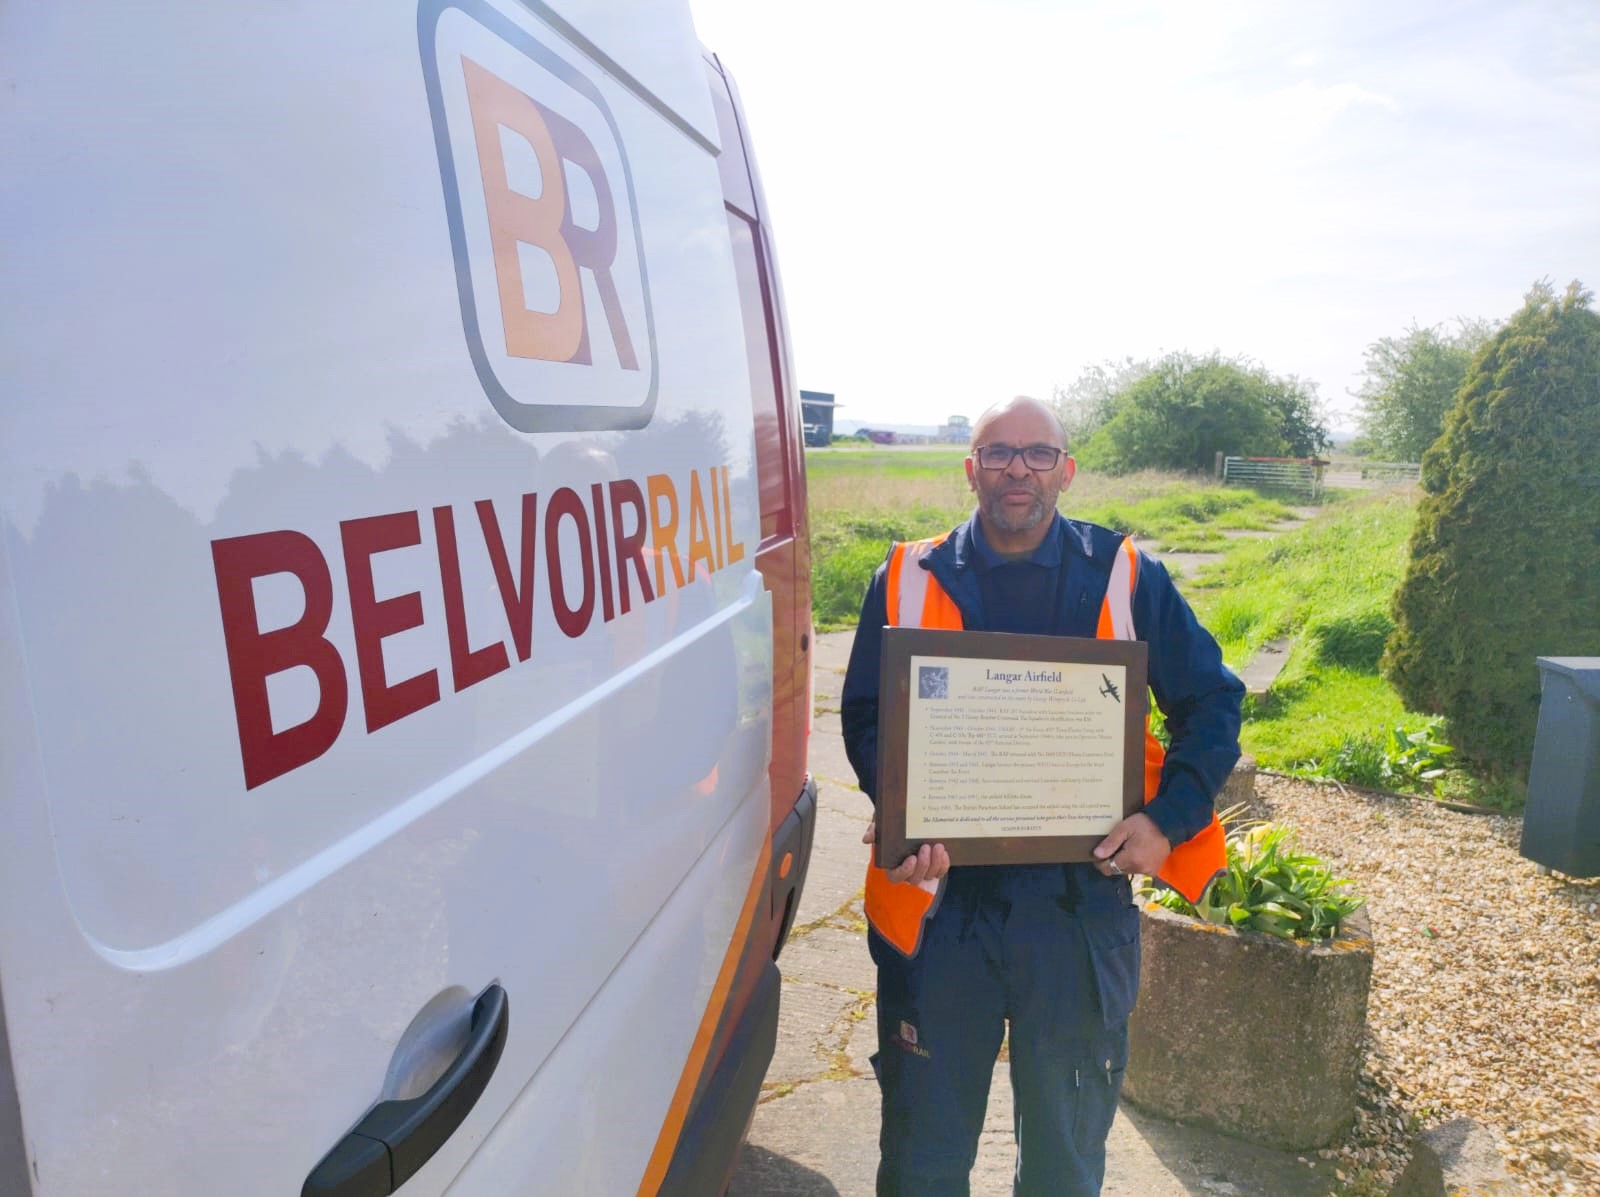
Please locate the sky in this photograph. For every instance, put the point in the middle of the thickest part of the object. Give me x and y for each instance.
(977, 200)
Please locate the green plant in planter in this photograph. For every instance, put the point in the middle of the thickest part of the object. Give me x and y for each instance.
(1270, 885)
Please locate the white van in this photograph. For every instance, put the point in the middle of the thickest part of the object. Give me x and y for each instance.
(404, 607)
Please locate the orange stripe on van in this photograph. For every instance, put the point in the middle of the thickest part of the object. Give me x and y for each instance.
(667, 1142)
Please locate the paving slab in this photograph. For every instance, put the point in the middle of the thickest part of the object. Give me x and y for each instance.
(826, 757)
(861, 1040)
(837, 871)
(1263, 669)
(1187, 566)
(830, 656)
(831, 956)
(814, 1026)
(818, 1140)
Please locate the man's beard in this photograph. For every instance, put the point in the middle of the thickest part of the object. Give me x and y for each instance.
(1007, 521)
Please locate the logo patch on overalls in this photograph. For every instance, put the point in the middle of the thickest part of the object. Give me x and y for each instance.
(906, 1040)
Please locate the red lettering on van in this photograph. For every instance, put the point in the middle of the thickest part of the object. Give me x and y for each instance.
(630, 545)
(517, 595)
(572, 620)
(373, 620)
(468, 665)
(602, 544)
(603, 567)
(254, 655)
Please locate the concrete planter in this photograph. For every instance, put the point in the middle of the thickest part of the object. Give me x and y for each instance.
(1249, 1034)
(1240, 786)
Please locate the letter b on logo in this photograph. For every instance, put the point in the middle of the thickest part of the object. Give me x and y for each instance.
(545, 231)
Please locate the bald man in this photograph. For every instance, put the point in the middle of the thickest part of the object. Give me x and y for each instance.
(1050, 951)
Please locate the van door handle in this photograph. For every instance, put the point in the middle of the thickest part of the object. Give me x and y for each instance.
(397, 1137)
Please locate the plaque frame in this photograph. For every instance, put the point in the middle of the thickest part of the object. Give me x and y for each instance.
(900, 644)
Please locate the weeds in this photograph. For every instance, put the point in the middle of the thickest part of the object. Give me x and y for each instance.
(1391, 758)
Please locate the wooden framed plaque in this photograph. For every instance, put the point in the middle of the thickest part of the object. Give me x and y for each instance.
(1007, 749)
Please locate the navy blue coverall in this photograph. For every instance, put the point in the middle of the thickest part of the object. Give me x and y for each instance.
(1051, 949)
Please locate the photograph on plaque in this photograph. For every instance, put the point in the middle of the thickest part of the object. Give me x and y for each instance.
(1007, 748)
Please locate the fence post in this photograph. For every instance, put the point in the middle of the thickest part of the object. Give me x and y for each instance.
(1219, 463)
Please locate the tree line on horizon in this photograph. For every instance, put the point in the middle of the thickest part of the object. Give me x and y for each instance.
(1178, 411)
(1503, 565)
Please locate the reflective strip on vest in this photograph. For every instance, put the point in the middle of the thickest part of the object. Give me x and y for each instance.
(1116, 612)
(899, 910)
(909, 583)
(914, 597)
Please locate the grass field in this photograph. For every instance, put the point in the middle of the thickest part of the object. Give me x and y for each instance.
(1327, 585)
(862, 499)
(1331, 714)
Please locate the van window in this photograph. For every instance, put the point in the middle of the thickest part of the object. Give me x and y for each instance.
(760, 342)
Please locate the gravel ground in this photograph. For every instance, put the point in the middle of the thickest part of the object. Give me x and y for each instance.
(1485, 986)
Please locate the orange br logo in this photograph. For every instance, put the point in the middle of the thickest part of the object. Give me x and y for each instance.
(544, 227)
(546, 222)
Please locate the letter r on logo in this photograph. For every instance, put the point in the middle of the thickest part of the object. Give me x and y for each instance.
(546, 222)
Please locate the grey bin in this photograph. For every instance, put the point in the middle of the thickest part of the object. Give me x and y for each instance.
(1561, 826)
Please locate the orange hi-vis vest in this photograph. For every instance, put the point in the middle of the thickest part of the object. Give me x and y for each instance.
(898, 910)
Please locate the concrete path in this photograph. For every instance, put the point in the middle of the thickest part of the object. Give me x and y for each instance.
(1263, 669)
(1187, 566)
(1184, 567)
(815, 1132)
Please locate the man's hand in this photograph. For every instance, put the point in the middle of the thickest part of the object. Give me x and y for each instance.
(928, 863)
(1135, 845)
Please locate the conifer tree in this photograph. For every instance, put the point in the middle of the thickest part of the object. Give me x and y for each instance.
(1505, 558)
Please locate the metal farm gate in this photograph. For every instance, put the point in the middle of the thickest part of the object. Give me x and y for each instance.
(1312, 476)
(1301, 475)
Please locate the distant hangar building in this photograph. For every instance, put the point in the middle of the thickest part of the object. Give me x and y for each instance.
(816, 417)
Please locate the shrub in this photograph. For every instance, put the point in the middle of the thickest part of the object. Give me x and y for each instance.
(1185, 410)
(1505, 559)
(1271, 886)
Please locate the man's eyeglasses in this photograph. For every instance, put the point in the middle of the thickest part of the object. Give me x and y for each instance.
(1035, 457)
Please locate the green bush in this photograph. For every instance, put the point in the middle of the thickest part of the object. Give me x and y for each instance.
(1187, 409)
(1505, 559)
